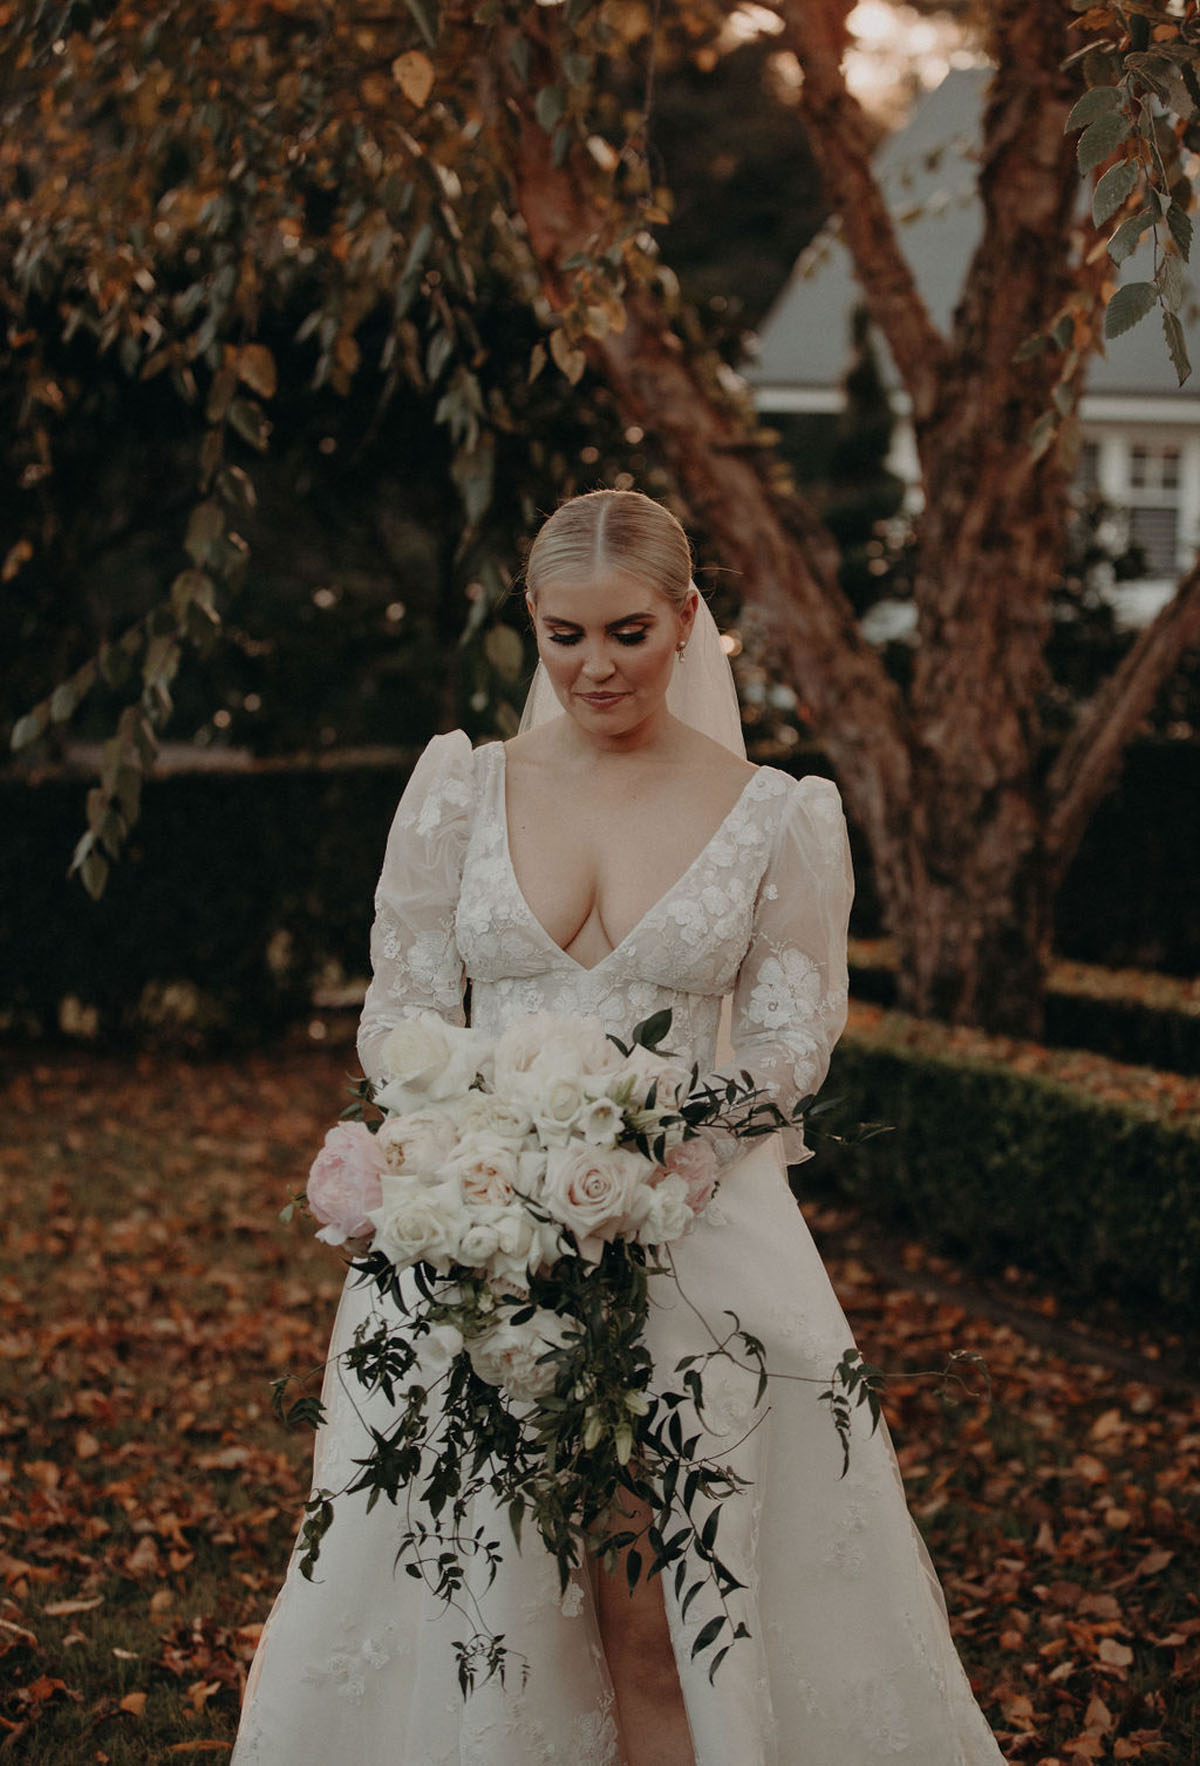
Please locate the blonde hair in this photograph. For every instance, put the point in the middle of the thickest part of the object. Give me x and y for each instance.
(621, 529)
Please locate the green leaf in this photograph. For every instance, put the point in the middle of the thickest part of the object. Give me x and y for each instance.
(1099, 101)
(94, 871)
(1180, 224)
(1042, 433)
(1124, 241)
(706, 1635)
(1100, 139)
(250, 422)
(425, 24)
(1171, 282)
(28, 728)
(505, 651)
(550, 106)
(63, 701)
(1176, 345)
(650, 1032)
(1112, 189)
(1127, 306)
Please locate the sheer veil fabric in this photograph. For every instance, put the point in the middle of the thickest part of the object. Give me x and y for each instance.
(849, 1661)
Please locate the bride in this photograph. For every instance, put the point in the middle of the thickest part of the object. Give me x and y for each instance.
(618, 856)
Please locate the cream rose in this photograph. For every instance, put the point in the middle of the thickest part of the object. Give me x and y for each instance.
(597, 1193)
(485, 1169)
(481, 1112)
(668, 1213)
(424, 1059)
(695, 1161)
(544, 1045)
(418, 1141)
(509, 1355)
(634, 1077)
(419, 1223)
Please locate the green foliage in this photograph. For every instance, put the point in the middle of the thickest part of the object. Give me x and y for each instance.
(1092, 1198)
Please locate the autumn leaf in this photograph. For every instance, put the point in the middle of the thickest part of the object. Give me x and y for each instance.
(413, 73)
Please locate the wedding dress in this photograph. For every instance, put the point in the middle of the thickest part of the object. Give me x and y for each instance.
(849, 1659)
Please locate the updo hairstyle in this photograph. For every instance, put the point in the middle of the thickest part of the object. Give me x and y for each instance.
(623, 530)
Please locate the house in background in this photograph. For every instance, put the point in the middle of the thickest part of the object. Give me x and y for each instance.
(1141, 430)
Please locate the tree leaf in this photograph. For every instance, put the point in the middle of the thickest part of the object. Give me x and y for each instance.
(1097, 102)
(1176, 344)
(504, 650)
(1124, 241)
(1129, 304)
(413, 73)
(1180, 224)
(256, 369)
(1171, 282)
(1100, 139)
(205, 527)
(28, 728)
(1112, 189)
(550, 105)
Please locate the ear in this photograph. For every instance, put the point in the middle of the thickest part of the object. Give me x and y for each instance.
(529, 607)
(687, 615)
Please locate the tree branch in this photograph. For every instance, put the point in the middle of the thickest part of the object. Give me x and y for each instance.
(1090, 758)
(840, 135)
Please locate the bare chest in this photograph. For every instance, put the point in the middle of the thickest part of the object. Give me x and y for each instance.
(592, 862)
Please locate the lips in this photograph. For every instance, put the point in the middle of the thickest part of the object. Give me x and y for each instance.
(601, 700)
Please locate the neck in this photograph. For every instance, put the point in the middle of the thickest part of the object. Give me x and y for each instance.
(655, 733)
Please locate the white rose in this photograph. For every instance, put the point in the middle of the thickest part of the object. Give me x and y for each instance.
(479, 1241)
(482, 1112)
(424, 1059)
(419, 1222)
(634, 1077)
(556, 1105)
(544, 1045)
(486, 1170)
(598, 1193)
(600, 1122)
(507, 1356)
(418, 1141)
(669, 1213)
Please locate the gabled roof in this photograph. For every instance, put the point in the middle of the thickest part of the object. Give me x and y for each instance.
(927, 170)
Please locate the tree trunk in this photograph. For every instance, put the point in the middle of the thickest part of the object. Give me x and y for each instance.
(945, 789)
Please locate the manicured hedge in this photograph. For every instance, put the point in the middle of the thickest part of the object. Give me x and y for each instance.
(1095, 1199)
(1125, 1029)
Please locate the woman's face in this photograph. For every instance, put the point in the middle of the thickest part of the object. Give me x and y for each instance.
(608, 641)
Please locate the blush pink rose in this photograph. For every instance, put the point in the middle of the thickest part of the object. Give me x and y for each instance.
(696, 1163)
(344, 1182)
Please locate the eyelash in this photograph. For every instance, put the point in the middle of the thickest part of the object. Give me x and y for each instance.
(627, 638)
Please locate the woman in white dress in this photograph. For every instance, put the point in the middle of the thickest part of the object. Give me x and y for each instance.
(618, 856)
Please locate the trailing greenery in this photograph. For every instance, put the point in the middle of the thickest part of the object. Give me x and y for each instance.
(1000, 1167)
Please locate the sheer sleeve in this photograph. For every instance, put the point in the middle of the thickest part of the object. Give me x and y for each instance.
(789, 1001)
(414, 958)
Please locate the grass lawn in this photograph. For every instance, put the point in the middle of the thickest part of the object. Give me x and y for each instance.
(148, 1296)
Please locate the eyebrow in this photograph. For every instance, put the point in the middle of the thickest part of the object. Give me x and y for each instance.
(612, 626)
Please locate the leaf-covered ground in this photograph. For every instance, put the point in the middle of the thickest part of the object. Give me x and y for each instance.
(147, 1296)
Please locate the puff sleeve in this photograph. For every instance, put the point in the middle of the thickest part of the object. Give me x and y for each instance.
(415, 961)
(789, 1000)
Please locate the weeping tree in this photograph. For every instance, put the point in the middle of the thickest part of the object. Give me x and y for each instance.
(167, 186)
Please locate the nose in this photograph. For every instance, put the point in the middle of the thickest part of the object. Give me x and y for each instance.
(597, 665)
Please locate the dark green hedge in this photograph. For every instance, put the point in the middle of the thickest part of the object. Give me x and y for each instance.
(225, 868)
(1095, 1199)
(1125, 1029)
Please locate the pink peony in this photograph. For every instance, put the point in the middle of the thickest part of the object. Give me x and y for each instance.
(696, 1163)
(344, 1182)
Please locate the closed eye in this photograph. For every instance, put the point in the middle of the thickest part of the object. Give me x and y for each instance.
(568, 638)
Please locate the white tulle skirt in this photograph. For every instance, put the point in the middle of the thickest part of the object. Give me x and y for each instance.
(850, 1658)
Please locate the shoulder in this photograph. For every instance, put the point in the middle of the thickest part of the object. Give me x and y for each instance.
(808, 810)
(441, 787)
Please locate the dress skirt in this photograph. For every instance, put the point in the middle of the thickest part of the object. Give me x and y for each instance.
(849, 1660)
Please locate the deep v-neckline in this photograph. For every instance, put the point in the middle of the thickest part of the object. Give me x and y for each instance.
(591, 968)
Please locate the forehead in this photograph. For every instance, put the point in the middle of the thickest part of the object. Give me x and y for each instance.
(603, 597)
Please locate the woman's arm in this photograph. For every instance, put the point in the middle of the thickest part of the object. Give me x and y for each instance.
(789, 1002)
(414, 958)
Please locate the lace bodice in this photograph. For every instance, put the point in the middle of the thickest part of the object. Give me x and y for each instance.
(759, 914)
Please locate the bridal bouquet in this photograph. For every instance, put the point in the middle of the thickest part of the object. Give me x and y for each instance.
(512, 1202)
